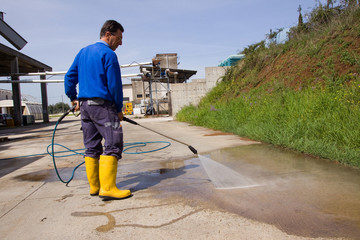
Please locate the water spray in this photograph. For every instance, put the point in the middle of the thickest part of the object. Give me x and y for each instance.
(220, 175)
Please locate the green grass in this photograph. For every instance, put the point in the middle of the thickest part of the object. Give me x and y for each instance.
(315, 120)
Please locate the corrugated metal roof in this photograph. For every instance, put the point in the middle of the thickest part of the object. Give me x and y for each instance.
(10, 103)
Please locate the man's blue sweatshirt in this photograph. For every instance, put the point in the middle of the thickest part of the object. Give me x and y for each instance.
(96, 69)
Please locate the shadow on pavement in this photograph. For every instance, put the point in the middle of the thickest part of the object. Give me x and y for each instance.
(148, 179)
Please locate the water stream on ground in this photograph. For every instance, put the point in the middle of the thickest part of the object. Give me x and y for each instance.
(303, 195)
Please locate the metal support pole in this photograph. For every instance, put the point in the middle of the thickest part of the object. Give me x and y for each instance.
(169, 96)
(16, 93)
(44, 100)
(169, 104)
(151, 97)
(157, 98)
(144, 95)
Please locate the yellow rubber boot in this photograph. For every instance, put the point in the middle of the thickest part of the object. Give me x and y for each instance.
(92, 173)
(108, 171)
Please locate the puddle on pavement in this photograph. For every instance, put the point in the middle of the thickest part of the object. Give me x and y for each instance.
(299, 194)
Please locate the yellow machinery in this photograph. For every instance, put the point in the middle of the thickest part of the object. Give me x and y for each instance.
(128, 109)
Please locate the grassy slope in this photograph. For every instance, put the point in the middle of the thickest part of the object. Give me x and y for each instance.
(304, 94)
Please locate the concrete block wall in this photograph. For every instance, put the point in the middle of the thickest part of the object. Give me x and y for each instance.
(213, 75)
(183, 94)
(128, 93)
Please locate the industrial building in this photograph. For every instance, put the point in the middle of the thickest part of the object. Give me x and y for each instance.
(160, 88)
(165, 89)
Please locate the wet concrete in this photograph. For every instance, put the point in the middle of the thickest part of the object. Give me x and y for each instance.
(300, 194)
(34, 176)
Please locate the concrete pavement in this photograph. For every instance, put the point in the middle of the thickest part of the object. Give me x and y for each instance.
(173, 197)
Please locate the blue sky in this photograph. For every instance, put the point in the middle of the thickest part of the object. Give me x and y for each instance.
(201, 32)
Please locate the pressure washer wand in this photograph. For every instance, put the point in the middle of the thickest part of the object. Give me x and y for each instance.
(135, 123)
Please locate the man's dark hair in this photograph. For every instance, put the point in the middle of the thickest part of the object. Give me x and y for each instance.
(110, 26)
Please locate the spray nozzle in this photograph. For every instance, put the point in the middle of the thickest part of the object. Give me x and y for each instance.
(192, 149)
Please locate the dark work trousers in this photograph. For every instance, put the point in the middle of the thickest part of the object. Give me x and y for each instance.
(99, 120)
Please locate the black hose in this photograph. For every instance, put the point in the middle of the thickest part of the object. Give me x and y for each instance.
(192, 149)
(66, 113)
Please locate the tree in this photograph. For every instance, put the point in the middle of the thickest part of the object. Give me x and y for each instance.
(329, 2)
(301, 25)
(59, 107)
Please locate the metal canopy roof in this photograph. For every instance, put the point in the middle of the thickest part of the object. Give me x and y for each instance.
(11, 35)
(26, 63)
(181, 77)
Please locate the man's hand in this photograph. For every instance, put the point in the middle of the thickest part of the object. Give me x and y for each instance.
(121, 116)
(76, 103)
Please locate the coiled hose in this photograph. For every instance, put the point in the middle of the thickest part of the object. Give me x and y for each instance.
(127, 146)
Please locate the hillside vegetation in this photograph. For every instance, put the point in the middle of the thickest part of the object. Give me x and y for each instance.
(303, 94)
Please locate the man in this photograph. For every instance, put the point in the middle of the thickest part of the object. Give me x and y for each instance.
(96, 69)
